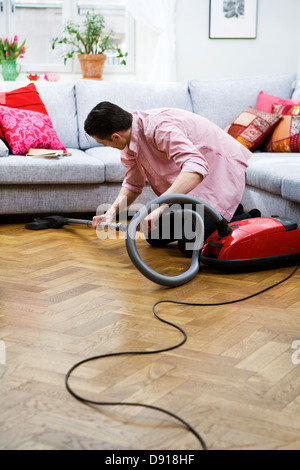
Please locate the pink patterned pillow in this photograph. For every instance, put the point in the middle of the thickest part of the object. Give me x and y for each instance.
(28, 129)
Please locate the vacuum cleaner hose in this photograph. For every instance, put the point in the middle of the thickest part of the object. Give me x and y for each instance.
(182, 199)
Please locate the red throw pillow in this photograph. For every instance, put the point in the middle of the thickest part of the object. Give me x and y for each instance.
(251, 127)
(26, 97)
(28, 129)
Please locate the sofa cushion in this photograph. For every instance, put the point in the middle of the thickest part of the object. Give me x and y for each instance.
(291, 185)
(222, 100)
(59, 100)
(111, 159)
(296, 92)
(28, 129)
(130, 96)
(276, 173)
(77, 169)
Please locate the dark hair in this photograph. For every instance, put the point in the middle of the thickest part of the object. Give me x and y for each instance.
(105, 119)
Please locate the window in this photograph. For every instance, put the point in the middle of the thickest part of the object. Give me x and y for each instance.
(119, 20)
(37, 22)
(40, 21)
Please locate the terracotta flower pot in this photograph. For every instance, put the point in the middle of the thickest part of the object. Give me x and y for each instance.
(92, 65)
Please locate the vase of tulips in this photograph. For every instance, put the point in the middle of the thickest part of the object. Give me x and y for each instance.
(10, 51)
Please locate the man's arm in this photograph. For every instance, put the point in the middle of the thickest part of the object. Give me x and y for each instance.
(183, 184)
(123, 200)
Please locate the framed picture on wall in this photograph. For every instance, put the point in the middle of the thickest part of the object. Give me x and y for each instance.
(232, 19)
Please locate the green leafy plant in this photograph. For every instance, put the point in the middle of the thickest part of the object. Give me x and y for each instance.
(11, 49)
(90, 38)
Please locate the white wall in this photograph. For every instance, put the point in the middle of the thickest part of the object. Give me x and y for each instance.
(275, 50)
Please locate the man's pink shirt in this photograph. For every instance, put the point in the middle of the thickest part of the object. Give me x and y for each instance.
(166, 142)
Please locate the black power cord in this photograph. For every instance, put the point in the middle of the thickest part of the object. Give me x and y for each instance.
(130, 353)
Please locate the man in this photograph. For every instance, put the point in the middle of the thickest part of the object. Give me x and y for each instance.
(178, 152)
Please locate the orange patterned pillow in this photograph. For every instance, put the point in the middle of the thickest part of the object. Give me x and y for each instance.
(251, 127)
(286, 136)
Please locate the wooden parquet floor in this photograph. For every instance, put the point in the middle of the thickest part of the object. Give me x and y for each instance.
(65, 295)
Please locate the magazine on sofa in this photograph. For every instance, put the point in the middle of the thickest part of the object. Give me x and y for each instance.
(47, 153)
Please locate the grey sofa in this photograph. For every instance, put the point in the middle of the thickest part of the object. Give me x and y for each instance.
(93, 174)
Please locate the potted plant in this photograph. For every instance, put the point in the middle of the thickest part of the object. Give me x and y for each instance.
(90, 41)
(10, 51)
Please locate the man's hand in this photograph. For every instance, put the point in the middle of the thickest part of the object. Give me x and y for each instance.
(102, 218)
(150, 222)
(123, 200)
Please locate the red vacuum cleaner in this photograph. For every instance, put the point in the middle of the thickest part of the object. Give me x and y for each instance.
(263, 242)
